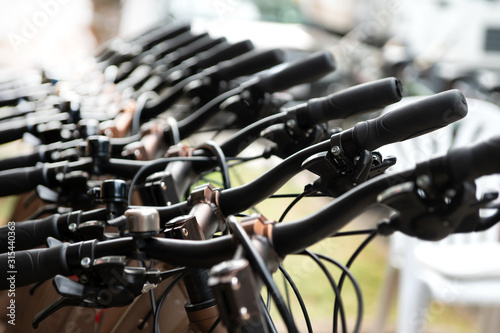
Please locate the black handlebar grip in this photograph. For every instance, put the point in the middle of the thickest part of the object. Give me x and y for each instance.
(222, 52)
(411, 120)
(21, 180)
(30, 234)
(34, 266)
(163, 34)
(301, 71)
(247, 64)
(28, 159)
(13, 129)
(195, 48)
(469, 163)
(360, 98)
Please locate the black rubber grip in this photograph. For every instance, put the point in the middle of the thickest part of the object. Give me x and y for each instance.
(474, 161)
(20, 161)
(221, 53)
(301, 71)
(360, 98)
(30, 234)
(247, 64)
(411, 120)
(194, 48)
(34, 266)
(163, 34)
(21, 180)
(13, 130)
(172, 45)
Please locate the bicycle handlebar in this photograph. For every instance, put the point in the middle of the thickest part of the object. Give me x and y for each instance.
(304, 70)
(45, 263)
(429, 113)
(249, 63)
(219, 53)
(360, 98)
(308, 69)
(246, 64)
(287, 238)
(17, 181)
(335, 106)
(34, 233)
(238, 199)
(474, 161)
(14, 129)
(411, 120)
(31, 233)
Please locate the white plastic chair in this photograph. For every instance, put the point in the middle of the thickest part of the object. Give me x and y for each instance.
(461, 269)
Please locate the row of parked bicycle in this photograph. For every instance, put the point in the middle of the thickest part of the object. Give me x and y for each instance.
(111, 212)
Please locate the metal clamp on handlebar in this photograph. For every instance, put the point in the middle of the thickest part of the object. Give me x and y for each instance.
(344, 166)
(146, 148)
(204, 203)
(260, 230)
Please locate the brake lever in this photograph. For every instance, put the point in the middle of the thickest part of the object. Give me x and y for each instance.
(338, 173)
(249, 108)
(289, 137)
(57, 305)
(95, 290)
(429, 213)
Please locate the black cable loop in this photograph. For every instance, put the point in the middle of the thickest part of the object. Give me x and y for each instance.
(159, 164)
(299, 298)
(267, 316)
(141, 102)
(241, 160)
(258, 264)
(174, 130)
(152, 292)
(156, 322)
(348, 265)
(164, 275)
(293, 203)
(343, 276)
(315, 258)
(354, 232)
(215, 149)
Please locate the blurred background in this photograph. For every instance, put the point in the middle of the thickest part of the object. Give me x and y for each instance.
(431, 45)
